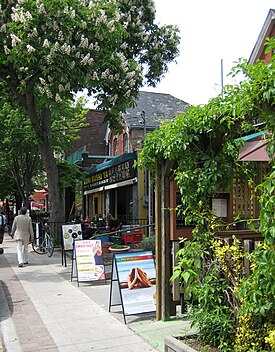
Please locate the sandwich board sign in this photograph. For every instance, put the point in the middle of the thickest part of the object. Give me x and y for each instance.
(88, 263)
(133, 283)
(70, 233)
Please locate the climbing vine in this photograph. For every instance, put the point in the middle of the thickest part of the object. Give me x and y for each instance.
(205, 142)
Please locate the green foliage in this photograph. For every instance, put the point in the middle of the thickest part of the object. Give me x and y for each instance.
(204, 144)
(69, 174)
(110, 47)
(252, 336)
(148, 244)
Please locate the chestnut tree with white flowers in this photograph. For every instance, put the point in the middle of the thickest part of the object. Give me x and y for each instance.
(51, 49)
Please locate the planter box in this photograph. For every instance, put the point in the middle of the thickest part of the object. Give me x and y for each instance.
(172, 344)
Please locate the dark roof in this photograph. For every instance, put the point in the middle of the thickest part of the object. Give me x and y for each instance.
(156, 107)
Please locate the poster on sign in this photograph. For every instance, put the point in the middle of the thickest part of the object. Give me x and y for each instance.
(70, 233)
(137, 281)
(89, 260)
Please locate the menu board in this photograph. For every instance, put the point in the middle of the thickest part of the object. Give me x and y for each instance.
(70, 233)
(89, 260)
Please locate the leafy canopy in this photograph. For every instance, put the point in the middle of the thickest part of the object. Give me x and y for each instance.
(107, 46)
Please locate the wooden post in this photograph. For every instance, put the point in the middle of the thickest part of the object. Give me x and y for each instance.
(157, 239)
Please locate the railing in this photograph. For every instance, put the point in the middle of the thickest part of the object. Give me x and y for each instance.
(120, 232)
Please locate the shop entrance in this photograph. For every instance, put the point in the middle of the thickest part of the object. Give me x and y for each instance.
(121, 203)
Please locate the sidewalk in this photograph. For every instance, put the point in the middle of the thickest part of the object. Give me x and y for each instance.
(42, 310)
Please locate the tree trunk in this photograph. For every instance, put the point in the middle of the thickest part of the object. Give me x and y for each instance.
(57, 214)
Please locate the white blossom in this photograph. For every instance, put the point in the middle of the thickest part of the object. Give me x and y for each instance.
(3, 28)
(85, 60)
(14, 40)
(60, 35)
(30, 48)
(61, 88)
(49, 93)
(65, 48)
(6, 50)
(46, 43)
(131, 83)
(42, 81)
(124, 45)
(72, 65)
(41, 8)
(84, 42)
(57, 98)
(73, 13)
(56, 46)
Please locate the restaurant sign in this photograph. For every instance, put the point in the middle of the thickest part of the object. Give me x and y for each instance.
(114, 174)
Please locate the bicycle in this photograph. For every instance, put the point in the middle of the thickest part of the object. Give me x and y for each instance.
(43, 244)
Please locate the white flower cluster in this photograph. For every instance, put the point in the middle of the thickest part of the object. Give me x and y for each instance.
(102, 18)
(15, 40)
(87, 60)
(30, 49)
(112, 99)
(6, 50)
(19, 15)
(84, 42)
(65, 49)
(33, 34)
(46, 43)
(40, 7)
(3, 28)
(62, 87)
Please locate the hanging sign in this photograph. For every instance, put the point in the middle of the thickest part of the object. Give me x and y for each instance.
(135, 275)
(89, 264)
(70, 233)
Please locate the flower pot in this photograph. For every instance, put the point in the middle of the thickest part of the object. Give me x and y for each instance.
(119, 250)
(176, 344)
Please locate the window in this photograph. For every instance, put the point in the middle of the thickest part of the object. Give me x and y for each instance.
(125, 143)
(115, 147)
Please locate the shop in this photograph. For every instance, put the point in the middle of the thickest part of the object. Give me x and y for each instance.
(111, 187)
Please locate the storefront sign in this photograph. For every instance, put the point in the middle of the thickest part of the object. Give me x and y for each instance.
(114, 174)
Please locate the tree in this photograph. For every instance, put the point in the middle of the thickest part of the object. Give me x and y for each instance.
(105, 46)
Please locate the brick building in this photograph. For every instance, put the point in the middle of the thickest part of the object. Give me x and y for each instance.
(116, 186)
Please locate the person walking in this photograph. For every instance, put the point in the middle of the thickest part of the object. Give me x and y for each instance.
(22, 232)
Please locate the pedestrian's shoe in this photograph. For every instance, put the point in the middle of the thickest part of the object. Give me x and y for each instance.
(26, 263)
(20, 265)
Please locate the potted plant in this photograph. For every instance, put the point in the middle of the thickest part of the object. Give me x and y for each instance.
(117, 248)
(148, 244)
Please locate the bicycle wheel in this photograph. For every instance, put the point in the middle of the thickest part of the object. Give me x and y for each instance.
(39, 245)
(50, 246)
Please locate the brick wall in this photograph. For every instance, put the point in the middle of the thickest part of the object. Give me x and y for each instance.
(92, 136)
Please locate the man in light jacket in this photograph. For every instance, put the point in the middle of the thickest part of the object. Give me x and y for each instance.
(22, 232)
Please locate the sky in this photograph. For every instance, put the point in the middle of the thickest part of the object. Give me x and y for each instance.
(211, 31)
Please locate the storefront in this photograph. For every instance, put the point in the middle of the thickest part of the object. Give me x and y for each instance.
(111, 187)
